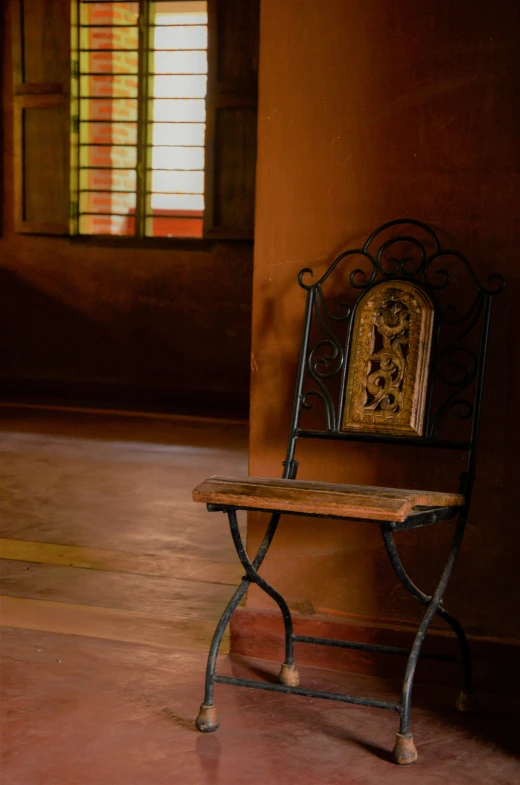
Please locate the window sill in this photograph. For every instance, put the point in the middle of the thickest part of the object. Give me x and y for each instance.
(171, 243)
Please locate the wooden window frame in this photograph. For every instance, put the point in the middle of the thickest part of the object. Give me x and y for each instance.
(222, 95)
(30, 95)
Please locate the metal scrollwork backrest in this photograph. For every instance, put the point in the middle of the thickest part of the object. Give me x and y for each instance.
(395, 338)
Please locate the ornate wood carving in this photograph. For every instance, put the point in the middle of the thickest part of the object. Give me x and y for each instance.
(389, 362)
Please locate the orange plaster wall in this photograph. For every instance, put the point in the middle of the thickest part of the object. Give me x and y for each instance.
(371, 111)
(160, 324)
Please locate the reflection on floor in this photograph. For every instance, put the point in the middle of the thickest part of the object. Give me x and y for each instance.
(112, 580)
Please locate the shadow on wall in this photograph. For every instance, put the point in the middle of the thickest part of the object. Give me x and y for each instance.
(155, 341)
(37, 328)
(427, 129)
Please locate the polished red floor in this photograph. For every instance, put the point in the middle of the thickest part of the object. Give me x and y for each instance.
(84, 711)
(112, 581)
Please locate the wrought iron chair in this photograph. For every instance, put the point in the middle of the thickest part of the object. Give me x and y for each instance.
(390, 360)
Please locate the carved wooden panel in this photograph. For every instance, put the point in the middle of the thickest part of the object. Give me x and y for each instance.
(389, 361)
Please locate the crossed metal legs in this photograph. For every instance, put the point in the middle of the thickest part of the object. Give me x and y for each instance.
(404, 750)
(207, 719)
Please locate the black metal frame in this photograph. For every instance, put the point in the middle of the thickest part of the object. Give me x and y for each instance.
(455, 366)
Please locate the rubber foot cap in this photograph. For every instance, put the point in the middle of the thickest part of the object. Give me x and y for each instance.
(467, 701)
(207, 720)
(404, 751)
(289, 675)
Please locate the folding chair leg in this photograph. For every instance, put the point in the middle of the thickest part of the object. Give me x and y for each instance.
(207, 720)
(404, 751)
(467, 700)
(288, 673)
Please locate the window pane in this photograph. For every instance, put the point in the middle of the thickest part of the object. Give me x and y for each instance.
(181, 134)
(106, 202)
(179, 12)
(113, 156)
(106, 133)
(106, 86)
(177, 158)
(107, 179)
(108, 109)
(179, 37)
(178, 110)
(179, 62)
(108, 37)
(107, 224)
(179, 86)
(177, 202)
(104, 62)
(178, 182)
(108, 13)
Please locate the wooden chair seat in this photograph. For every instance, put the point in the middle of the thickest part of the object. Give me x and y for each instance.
(321, 498)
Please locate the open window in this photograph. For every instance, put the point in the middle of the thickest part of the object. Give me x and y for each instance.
(146, 125)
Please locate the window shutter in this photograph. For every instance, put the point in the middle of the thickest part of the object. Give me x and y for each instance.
(41, 52)
(231, 118)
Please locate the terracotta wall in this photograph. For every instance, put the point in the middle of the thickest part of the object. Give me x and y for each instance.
(371, 111)
(151, 324)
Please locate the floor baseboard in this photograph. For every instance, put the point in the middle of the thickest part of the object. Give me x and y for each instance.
(259, 633)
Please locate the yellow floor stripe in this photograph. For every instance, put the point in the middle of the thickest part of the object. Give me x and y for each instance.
(108, 623)
(164, 565)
